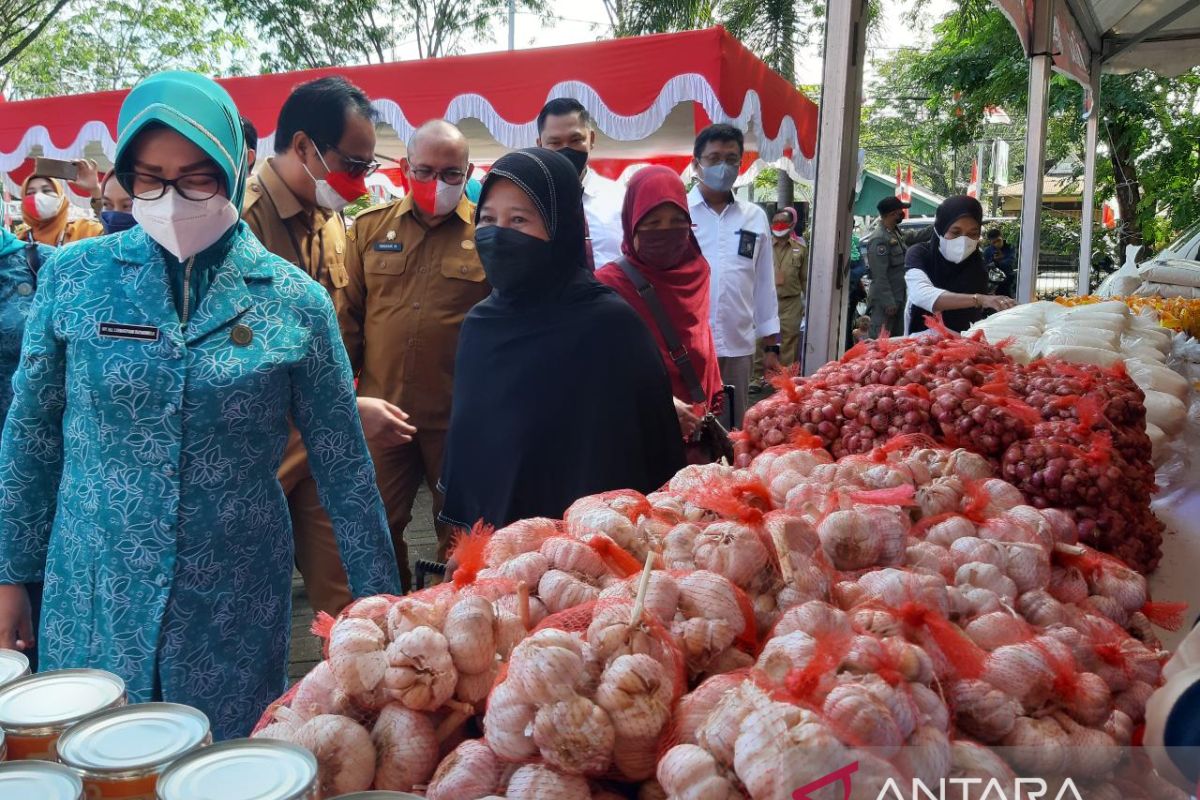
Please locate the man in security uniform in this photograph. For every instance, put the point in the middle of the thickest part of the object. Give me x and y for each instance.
(884, 248)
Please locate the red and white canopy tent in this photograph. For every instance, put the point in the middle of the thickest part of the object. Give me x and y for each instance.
(649, 95)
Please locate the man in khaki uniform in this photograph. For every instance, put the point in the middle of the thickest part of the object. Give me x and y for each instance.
(791, 282)
(884, 248)
(413, 276)
(325, 126)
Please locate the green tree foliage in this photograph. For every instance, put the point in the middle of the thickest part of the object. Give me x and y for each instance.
(91, 47)
(305, 34)
(22, 22)
(1150, 158)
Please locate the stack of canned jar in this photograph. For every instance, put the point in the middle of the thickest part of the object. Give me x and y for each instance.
(69, 735)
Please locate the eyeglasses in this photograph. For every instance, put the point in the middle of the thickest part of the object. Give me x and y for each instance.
(713, 159)
(195, 186)
(355, 167)
(451, 177)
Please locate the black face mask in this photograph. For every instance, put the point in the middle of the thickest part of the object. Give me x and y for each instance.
(516, 264)
(578, 158)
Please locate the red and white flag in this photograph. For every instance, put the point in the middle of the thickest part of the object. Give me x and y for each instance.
(995, 115)
(906, 192)
(973, 186)
(1108, 214)
(899, 183)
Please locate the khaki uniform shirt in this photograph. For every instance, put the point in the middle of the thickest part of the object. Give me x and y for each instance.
(311, 238)
(791, 268)
(409, 289)
(884, 252)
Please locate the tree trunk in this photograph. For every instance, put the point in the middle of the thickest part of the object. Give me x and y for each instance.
(785, 194)
(1129, 197)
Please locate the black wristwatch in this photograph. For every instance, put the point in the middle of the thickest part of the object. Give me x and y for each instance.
(773, 348)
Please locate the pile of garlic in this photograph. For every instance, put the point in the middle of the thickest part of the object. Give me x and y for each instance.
(903, 608)
(401, 680)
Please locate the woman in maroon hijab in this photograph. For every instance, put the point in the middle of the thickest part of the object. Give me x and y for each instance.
(663, 275)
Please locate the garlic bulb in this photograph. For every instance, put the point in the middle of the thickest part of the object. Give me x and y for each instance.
(538, 782)
(575, 736)
(471, 772)
(688, 772)
(406, 748)
(420, 672)
(470, 635)
(356, 655)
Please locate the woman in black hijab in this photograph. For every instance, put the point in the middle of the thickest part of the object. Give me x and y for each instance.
(559, 389)
(946, 274)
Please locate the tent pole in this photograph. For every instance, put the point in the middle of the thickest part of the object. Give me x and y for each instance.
(512, 24)
(837, 173)
(1040, 62)
(1089, 184)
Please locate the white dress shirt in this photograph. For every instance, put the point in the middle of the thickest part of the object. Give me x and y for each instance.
(744, 307)
(602, 203)
(921, 293)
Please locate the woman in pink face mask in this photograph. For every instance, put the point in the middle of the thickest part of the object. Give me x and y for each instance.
(660, 247)
(44, 210)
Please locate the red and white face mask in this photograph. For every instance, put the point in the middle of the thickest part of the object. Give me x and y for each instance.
(42, 206)
(436, 198)
(337, 189)
(781, 228)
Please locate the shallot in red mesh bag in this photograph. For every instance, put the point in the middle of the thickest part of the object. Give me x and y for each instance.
(984, 419)
(876, 413)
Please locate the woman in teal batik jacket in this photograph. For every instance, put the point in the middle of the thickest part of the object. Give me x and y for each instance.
(137, 467)
(19, 264)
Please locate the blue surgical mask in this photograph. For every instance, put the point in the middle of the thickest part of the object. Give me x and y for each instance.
(116, 221)
(719, 177)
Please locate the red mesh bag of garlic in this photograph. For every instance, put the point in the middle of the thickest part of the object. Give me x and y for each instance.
(590, 692)
(401, 678)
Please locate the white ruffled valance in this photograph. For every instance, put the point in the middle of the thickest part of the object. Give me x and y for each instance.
(690, 87)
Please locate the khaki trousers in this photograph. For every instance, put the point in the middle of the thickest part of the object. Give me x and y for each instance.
(400, 471)
(791, 316)
(317, 554)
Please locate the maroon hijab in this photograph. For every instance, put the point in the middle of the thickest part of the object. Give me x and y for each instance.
(682, 289)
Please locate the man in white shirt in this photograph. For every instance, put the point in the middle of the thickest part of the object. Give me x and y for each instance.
(565, 125)
(735, 238)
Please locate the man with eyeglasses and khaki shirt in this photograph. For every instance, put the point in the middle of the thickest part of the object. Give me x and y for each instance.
(324, 150)
(413, 274)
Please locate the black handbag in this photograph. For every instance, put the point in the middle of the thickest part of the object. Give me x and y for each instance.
(710, 442)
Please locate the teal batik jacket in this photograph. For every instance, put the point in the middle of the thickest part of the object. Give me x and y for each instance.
(137, 470)
(17, 285)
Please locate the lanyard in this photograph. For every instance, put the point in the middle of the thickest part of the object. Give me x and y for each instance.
(61, 236)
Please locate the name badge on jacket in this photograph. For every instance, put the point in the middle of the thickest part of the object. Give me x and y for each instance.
(746, 242)
(388, 247)
(125, 330)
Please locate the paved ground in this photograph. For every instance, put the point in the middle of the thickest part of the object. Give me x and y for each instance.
(306, 648)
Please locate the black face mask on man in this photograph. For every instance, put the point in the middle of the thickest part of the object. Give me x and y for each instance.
(578, 158)
(515, 263)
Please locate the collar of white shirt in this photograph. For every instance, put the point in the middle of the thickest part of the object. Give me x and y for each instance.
(595, 184)
(696, 199)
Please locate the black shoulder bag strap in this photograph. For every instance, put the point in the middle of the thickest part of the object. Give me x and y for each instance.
(679, 354)
(33, 259)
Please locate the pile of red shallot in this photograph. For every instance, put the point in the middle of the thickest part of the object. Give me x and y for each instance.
(745, 632)
(1064, 434)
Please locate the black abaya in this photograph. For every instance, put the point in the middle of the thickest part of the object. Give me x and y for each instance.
(560, 391)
